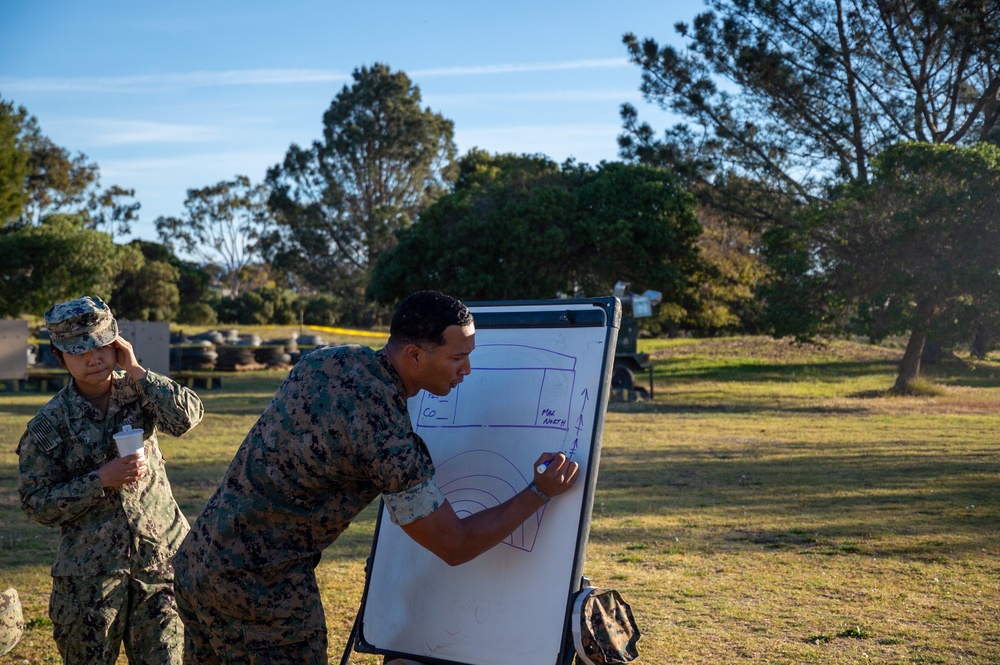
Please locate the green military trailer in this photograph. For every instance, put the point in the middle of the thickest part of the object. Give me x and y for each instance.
(629, 362)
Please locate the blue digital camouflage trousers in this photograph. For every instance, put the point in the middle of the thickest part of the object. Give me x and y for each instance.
(93, 616)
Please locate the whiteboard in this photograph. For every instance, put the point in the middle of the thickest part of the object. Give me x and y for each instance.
(539, 382)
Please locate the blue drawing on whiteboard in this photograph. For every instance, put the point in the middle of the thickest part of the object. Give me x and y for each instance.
(510, 386)
(470, 489)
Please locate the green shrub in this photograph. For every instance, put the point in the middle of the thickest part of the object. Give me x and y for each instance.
(262, 306)
(198, 313)
(321, 310)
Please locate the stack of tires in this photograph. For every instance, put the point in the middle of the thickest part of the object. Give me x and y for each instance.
(252, 340)
(230, 351)
(197, 355)
(273, 355)
(305, 341)
(233, 358)
(213, 336)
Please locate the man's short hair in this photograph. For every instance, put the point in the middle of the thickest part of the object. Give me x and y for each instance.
(422, 317)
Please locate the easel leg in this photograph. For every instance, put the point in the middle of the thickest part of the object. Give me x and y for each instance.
(349, 647)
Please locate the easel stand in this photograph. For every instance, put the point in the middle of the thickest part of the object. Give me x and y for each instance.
(540, 383)
(352, 639)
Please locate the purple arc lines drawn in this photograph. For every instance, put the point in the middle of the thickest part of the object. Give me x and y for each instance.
(479, 479)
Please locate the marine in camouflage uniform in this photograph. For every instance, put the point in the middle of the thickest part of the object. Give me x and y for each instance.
(336, 435)
(112, 576)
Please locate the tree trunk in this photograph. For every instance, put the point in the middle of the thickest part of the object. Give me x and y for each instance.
(981, 342)
(909, 368)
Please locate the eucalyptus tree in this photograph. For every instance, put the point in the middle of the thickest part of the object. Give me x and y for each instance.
(39, 178)
(223, 225)
(58, 181)
(382, 159)
(14, 156)
(54, 181)
(115, 209)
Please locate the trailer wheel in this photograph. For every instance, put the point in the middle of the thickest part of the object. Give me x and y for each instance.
(622, 377)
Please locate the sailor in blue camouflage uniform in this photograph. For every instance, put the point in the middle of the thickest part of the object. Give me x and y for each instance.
(112, 575)
(336, 435)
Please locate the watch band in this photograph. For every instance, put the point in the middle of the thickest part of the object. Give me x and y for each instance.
(542, 495)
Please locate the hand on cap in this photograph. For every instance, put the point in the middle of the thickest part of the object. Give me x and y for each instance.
(125, 358)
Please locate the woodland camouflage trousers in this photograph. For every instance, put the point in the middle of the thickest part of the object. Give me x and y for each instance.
(93, 616)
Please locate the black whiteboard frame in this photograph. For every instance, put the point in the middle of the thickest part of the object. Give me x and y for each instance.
(563, 313)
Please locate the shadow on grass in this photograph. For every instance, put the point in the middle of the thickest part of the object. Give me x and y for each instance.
(242, 393)
(677, 406)
(956, 372)
(23, 412)
(889, 504)
(953, 372)
(759, 371)
(25, 544)
(236, 405)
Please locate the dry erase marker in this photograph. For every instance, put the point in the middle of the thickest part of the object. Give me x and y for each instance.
(544, 465)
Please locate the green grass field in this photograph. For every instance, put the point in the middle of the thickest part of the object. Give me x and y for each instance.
(770, 505)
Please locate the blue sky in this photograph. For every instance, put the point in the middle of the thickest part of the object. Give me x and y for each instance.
(170, 96)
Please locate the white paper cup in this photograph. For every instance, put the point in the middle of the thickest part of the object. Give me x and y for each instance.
(129, 442)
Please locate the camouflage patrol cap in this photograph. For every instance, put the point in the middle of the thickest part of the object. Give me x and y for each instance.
(80, 325)
(11, 620)
(604, 629)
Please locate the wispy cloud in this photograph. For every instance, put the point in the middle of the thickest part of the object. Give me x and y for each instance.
(250, 77)
(100, 132)
(193, 169)
(182, 80)
(479, 70)
(556, 96)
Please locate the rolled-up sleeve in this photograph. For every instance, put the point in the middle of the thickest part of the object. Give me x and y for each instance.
(415, 503)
